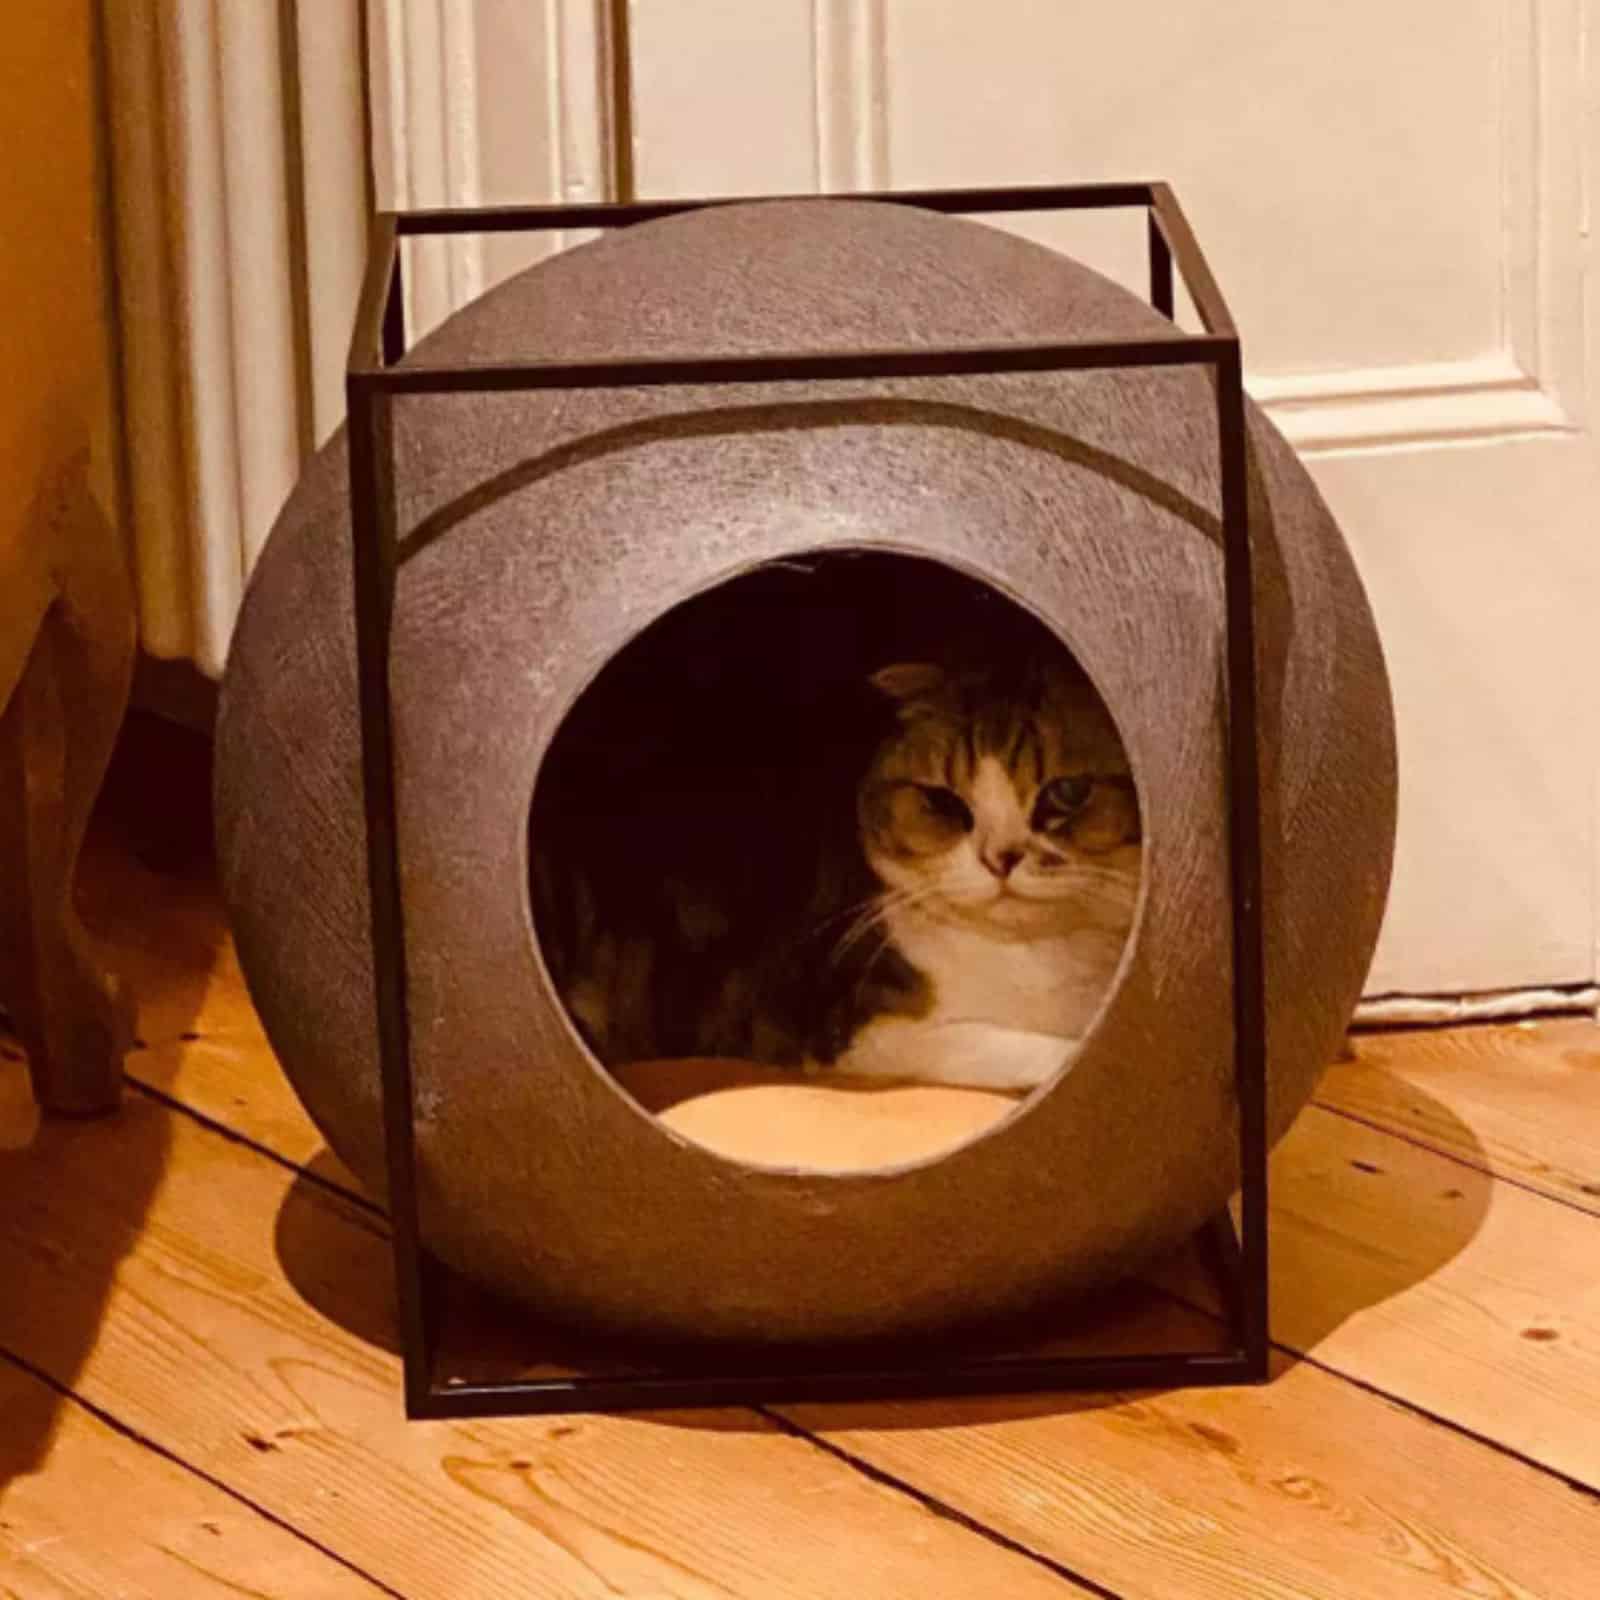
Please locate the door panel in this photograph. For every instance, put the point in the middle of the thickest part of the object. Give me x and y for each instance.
(1395, 204)
(1397, 201)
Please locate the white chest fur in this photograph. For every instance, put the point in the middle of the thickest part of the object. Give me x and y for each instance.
(1006, 1013)
(1047, 985)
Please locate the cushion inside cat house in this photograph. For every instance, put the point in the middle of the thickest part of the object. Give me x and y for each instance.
(547, 535)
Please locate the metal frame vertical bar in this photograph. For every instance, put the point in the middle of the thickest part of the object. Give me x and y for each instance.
(374, 554)
(1244, 781)
(394, 312)
(1161, 296)
(619, 92)
(1244, 853)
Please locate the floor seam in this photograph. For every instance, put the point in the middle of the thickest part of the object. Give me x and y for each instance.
(1577, 1485)
(862, 1468)
(128, 1431)
(1418, 1143)
(1415, 1408)
(233, 1136)
(934, 1505)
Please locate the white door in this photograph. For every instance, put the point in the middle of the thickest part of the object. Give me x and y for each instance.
(1397, 203)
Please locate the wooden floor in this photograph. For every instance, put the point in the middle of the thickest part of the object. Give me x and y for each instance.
(199, 1385)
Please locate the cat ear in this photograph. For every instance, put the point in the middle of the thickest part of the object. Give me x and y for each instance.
(908, 680)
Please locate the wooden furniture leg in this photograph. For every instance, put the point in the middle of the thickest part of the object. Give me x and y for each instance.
(66, 663)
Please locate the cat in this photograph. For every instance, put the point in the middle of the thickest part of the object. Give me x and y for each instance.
(944, 898)
(1001, 820)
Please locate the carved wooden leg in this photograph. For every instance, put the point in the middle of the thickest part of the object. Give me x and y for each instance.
(57, 728)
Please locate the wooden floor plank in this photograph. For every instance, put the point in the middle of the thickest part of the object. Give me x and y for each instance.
(165, 935)
(243, 1323)
(1472, 1299)
(1398, 1262)
(1413, 1459)
(245, 1328)
(87, 1513)
(1403, 1268)
(1521, 1101)
(1306, 1487)
(198, 1035)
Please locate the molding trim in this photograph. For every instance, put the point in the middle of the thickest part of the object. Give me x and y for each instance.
(1545, 98)
(1533, 387)
(425, 141)
(481, 100)
(582, 125)
(1375, 407)
(850, 94)
(1544, 195)
(1501, 1005)
(1537, 386)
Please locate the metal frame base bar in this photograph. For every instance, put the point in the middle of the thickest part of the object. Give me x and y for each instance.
(708, 1379)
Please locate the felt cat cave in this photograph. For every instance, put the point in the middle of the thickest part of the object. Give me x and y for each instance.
(541, 531)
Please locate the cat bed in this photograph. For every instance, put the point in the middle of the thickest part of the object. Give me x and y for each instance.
(543, 531)
(770, 1115)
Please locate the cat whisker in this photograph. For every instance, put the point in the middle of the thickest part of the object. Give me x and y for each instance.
(858, 930)
(1076, 873)
(849, 913)
(877, 913)
(868, 922)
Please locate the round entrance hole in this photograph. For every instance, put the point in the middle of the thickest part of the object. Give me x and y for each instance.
(835, 862)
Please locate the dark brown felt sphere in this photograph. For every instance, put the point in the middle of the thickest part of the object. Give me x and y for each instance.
(544, 531)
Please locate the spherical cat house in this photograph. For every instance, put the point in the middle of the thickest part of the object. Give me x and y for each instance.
(544, 531)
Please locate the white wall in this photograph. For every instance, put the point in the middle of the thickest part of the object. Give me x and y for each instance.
(1397, 199)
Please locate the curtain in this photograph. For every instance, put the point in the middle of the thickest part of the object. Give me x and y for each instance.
(239, 196)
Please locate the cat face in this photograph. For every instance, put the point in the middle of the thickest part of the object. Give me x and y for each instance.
(1004, 800)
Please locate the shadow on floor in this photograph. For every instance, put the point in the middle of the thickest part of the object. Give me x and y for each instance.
(73, 1200)
(335, 1252)
(1345, 1238)
(1359, 1217)
(74, 1195)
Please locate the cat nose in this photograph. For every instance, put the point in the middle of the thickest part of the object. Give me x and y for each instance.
(1002, 862)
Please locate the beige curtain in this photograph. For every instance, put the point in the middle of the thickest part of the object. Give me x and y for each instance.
(239, 199)
(240, 196)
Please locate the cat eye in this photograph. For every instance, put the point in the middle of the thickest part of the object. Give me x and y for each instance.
(945, 804)
(1060, 798)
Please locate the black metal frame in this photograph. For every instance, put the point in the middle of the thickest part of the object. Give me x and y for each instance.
(373, 380)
